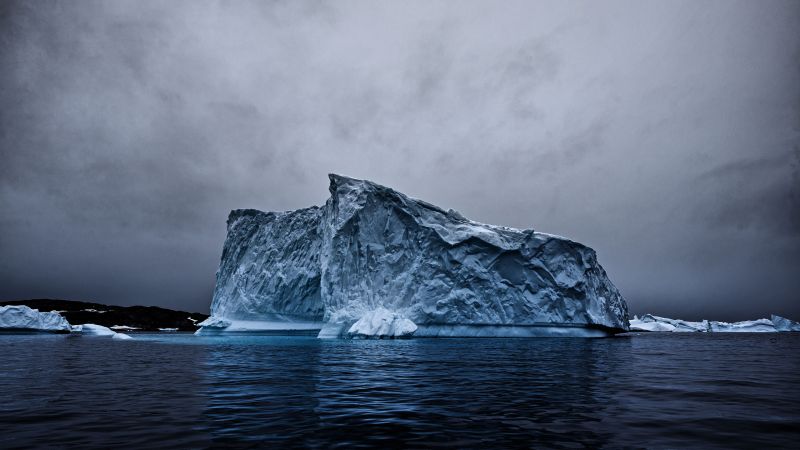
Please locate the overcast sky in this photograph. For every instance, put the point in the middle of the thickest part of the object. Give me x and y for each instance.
(664, 134)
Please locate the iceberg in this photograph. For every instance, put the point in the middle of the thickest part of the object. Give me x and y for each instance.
(784, 324)
(650, 322)
(16, 318)
(371, 253)
(747, 326)
(91, 329)
(123, 328)
(121, 336)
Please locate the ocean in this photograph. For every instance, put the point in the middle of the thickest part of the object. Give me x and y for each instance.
(661, 390)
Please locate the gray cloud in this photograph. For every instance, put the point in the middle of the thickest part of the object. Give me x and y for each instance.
(664, 135)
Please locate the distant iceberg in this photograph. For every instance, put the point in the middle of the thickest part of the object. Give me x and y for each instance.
(784, 324)
(22, 318)
(650, 322)
(373, 262)
(91, 329)
(122, 336)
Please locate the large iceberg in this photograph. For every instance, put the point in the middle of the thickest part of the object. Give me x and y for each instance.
(23, 318)
(650, 322)
(370, 249)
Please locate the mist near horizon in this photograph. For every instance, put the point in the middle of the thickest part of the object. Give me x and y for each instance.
(666, 136)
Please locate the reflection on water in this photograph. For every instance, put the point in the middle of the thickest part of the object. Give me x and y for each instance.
(180, 390)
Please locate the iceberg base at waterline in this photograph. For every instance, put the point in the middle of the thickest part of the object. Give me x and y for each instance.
(214, 325)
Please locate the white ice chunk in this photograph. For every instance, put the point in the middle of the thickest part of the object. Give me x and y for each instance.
(120, 336)
(124, 328)
(23, 318)
(215, 322)
(382, 324)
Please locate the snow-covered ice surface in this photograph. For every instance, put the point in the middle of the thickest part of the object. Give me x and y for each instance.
(215, 322)
(649, 322)
(640, 325)
(371, 247)
(23, 318)
(381, 324)
(655, 323)
(122, 336)
(747, 326)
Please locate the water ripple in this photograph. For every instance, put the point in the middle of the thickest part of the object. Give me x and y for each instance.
(688, 390)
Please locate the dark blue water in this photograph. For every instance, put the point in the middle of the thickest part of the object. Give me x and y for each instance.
(658, 390)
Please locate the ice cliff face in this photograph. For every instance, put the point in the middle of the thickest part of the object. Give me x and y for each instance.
(370, 247)
(270, 267)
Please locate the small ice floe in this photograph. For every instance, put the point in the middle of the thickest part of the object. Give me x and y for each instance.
(124, 328)
(168, 330)
(120, 336)
(94, 310)
(24, 319)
